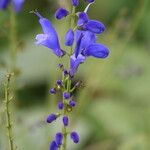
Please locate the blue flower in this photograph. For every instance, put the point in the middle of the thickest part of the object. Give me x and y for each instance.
(61, 13)
(83, 18)
(72, 103)
(94, 26)
(53, 146)
(75, 137)
(53, 91)
(59, 138)
(17, 4)
(49, 38)
(75, 2)
(96, 50)
(69, 38)
(51, 118)
(75, 62)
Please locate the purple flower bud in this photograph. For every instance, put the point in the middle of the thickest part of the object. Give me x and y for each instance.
(65, 121)
(69, 38)
(75, 2)
(66, 95)
(75, 137)
(97, 50)
(72, 103)
(90, 1)
(65, 72)
(60, 105)
(51, 118)
(94, 26)
(53, 91)
(4, 4)
(61, 13)
(59, 138)
(53, 146)
(83, 18)
(59, 82)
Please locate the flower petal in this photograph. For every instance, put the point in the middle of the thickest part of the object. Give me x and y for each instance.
(83, 18)
(4, 4)
(75, 62)
(94, 26)
(97, 50)
(17, 5)
(49, 42)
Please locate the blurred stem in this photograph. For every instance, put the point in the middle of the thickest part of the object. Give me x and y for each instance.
(8, 113)
(13, 39)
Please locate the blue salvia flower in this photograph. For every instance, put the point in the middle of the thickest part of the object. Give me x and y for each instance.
(75, 137)
(75, 2)
(83, 18)
(17, 4)
(69, 38)
(61, 13)
(94, 26)
(83, 44)
(53, 146)
(49, 38)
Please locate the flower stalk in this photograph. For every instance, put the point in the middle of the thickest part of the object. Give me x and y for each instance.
(7, 101)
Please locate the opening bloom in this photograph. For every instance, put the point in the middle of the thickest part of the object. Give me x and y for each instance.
(49, 38)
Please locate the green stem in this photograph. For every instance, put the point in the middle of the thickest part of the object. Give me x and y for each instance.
(8, 114)
(13, 40)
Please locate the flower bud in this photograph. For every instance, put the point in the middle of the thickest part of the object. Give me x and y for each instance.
(59, 138)
(65, 121)
(60, 105)
(59, 82)
(72, 103)
(61, 13)
(51, 118)
(53, 146)
(69, 38)
(53, 91)
(75, 2)
(90, 1)
(66, 95)
(75, 137)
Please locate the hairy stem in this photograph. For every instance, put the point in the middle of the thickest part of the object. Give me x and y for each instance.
(8, 113)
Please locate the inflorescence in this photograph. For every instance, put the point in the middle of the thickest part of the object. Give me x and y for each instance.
(81, 38)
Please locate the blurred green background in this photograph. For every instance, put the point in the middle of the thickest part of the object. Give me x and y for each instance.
(113, 110)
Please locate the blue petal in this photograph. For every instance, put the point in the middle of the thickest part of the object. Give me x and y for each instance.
(50, 37)
(83, 18)
(17, 5)
(49, 42)
(61, 13)
(88, 38)
(4, 4)
(75, 2)
(94, 26)
(53, 146)
(75, 62)
(69, 38)
(97, 50)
